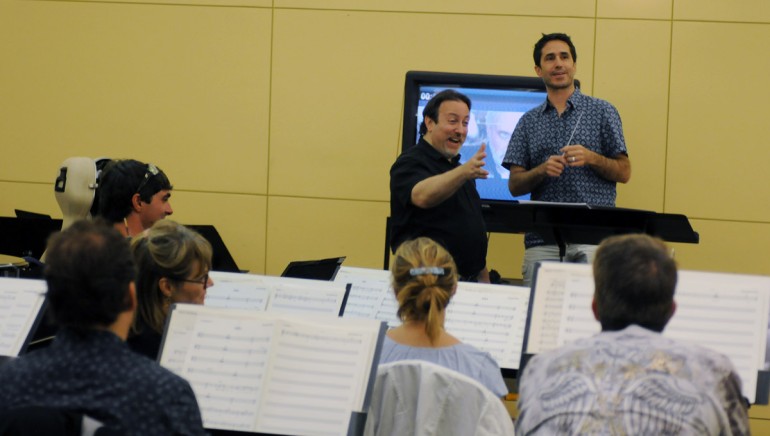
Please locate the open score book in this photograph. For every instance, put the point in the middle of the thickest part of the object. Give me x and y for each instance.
(274, 373)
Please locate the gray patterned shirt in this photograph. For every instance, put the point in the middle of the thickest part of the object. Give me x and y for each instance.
(634, 382)
(541, 133)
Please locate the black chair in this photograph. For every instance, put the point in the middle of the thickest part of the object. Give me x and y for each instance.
(38, 420)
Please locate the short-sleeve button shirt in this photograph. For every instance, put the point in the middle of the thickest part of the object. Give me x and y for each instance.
(542, 132)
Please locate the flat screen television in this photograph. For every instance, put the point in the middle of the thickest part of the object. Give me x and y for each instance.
(497, 103)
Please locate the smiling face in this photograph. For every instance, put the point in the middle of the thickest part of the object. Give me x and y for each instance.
(448, 133)
(557, 67)
(158, 208)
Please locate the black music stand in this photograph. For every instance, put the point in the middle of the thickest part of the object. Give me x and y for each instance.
(26, 237)
(562, 224)
(321, 269)
(221, 259)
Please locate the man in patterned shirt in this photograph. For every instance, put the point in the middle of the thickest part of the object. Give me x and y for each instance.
(88, 368)
(630, 379)
(570, 149)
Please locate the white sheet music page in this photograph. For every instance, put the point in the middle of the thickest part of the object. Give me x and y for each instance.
(578, 320)
(272, 373)
(491, 318)
(548, 301)
(240, 291)
(371, 295)
(318, 375)
(275, 294)
(225, 355)
(292, 295)
(20, 303)
(727, 313)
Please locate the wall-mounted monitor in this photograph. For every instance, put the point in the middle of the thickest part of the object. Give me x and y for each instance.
(497, 103)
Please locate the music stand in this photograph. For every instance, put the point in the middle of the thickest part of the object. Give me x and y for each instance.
(562, 224)
(26, 237)
(221, 259)
(322, 269)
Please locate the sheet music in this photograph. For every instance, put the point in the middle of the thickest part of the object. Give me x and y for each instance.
(242, 291)
(491, 318)
(308, 296)
(20, 303)
(275, 294)
(548, 302)
(371, 295)
(727, 313)
(578, 319)
(271, 373)
(319, 370)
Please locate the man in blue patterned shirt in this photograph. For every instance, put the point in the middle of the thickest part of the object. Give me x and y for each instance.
(570, 149)
(89, 369)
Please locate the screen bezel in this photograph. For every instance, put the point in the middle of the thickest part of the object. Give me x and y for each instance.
(415, 83)
(415, 79)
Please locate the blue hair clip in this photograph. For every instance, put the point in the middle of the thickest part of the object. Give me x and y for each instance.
(423, 270)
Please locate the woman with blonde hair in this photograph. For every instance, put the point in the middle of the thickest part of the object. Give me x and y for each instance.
(424, 279)
(173, 264)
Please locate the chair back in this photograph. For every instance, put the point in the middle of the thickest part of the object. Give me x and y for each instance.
(421, 398)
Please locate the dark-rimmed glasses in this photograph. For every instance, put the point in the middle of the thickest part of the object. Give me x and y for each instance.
(201, 281)
(151, 172)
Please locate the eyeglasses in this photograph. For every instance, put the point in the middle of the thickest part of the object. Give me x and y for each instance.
(151, 172)
(201, 281)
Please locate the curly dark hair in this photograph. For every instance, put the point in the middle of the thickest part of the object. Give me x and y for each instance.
(88, 271)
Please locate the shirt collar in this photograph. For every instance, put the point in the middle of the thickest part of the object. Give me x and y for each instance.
(434, 154)
(573, 101)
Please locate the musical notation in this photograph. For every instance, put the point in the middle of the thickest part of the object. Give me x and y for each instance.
(282, 294)
(727, 313)
(20, 304)
(251, 371)
(489, 317)
(371, 295)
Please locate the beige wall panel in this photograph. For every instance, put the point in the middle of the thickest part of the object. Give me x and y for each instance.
(718, 125)
(218, 3)
(306, 229)
(338, 84)
(631, 71)
(32, 197)
(647, 9)
(239, 219)
(505, 254)
(757, 11)
(759, 426)
(560, 8)
(727, 246)
(185, 87)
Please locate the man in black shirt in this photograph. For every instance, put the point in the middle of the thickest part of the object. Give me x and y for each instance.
(433, 195)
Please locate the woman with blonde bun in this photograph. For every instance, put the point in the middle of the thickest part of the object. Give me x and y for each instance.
(424, 279)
